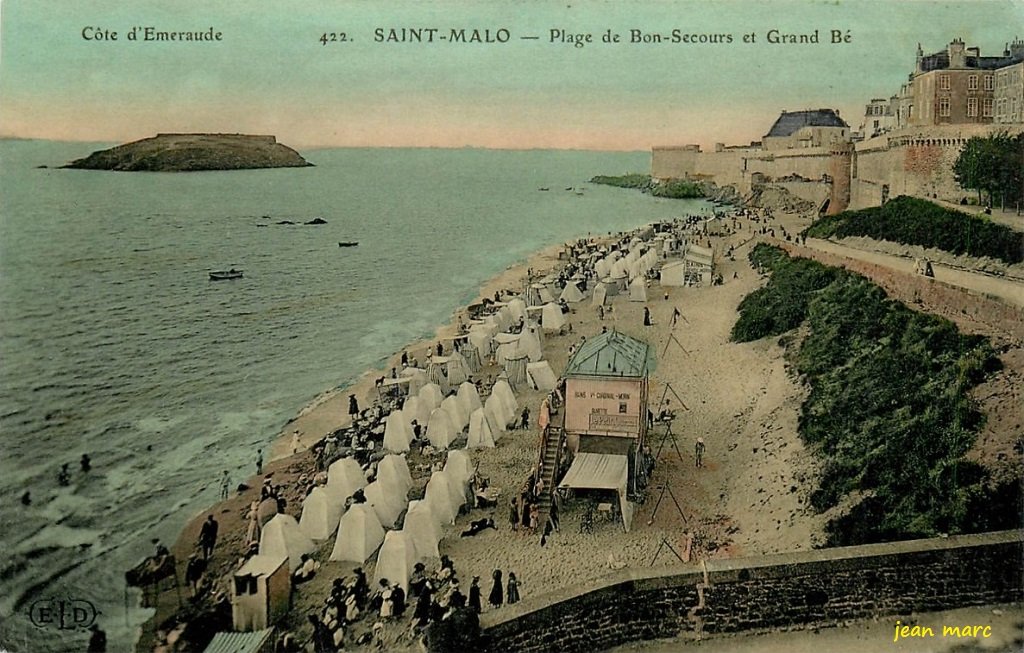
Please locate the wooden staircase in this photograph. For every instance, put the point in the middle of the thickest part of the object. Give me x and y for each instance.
(550, 459)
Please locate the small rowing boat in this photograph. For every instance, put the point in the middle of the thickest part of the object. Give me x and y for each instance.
(350, 243)
(221, 275)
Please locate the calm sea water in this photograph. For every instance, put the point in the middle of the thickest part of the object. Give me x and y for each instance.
(114, 342)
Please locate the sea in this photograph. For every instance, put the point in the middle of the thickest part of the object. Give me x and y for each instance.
(114, 341)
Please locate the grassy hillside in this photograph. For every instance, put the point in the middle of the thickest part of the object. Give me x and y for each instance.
(888, 407)
(673, 188)
(913, 221)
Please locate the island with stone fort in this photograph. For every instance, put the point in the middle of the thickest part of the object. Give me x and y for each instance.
(194, 152)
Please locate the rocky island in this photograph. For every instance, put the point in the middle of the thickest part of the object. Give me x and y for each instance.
(192, 152)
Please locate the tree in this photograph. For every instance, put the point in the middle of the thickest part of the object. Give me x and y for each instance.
(994, 165)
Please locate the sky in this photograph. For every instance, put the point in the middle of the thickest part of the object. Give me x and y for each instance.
(271, 74)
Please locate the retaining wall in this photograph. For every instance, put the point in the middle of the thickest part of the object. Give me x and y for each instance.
(802, 589)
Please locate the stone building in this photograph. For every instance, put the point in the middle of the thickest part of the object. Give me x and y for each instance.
(957, 85)
(805, 129)
(1009, 87)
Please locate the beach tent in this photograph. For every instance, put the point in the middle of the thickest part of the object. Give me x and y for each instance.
(515, 368)
(469, 397)
(431, 394)
(436, 372)
(257, 641)
(504, 318)
(456, 486)
(461, 465)
(494, 418)
(571, 293)
(393, 471)
(553, 319)
(603, 267)
(417, 409)
(480, 436)
(480, 338)
(283, 537)
(321, 512)
(417, 379)
(529, 343)
(397, 432)
(439, 495)
(266, 511)
(457, 369)
(387, 499)
(598, 471)
(395, 560)
(440, 429)
(460, 418)
(600, 293)
(540, 376)
(517, 307)
(673, 274)
(344, 477)
(638, 290)
(359, 534)
(500, 411)
(611, 286)
(504, 392)
(472, 356)
(423, 526)
(261, 593)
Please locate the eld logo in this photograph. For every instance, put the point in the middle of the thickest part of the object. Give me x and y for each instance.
(64, 614)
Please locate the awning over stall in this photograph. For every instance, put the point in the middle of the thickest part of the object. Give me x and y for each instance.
(599, 471)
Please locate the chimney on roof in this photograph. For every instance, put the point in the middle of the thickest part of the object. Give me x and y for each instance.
(920, 56)
(957, 54)
(1017, 48)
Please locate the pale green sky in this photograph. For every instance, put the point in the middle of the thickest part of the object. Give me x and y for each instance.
(271, 74)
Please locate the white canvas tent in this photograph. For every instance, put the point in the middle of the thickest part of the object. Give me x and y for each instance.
(431, 394)
(515, 368)
(480, 338)
(673, 274)
(437, 373)
(469, 397)
(417, 379)
(458, 370)
(508, 398)
(494, 420)
(423, 526)
(387, 500)
(439, 495)
(460, 418)
(415, 408)
(461, 466)
(597, 471)
(282, 537)
(397, 433)
(344, 477)
(600, 293)
(395, 560)
(496, 408)
(456, 486)
(571, 293)
(359, 534)
(552, 318)
(480, 436)
(440, 429)
(541, 376)
(393, 471)
(517, 307)
(638, 290)
(321, 512)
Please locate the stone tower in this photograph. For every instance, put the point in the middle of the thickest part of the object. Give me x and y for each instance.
(840, 168)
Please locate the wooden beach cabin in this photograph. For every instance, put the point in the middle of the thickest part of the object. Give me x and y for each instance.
(260, 593)
(606, 384)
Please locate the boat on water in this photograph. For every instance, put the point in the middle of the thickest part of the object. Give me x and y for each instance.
(544, 188)
(221, 275)
(348, 243)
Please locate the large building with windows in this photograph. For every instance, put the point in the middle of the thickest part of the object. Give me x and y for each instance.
(959, 86)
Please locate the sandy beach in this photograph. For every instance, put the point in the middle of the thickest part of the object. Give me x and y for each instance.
(749, 498)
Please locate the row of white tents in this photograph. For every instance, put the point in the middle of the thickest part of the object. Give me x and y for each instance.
(367, 527)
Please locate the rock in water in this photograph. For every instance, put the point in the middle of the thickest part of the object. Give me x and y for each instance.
(191, 152)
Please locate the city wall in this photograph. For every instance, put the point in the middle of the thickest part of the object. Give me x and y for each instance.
(917, 162)
(791, 590)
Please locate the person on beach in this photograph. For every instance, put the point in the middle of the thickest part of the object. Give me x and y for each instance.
(525, 424)
(97, 640)
(513, 588)
(208, 536)
(194, 573)
(474, 595)
(296, 442)
(85, 462)
(440, 348)
(675, 315)
(513, 515)
(534, 516)
(699, 452)
(259, 461)
(361, 588)
(225, 485)
(397, 601)
(386, 606)
(497, 594)
(353, 407)
(26, 499)
(64, 476)
(647, 316)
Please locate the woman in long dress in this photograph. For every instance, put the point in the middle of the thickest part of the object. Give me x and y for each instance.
(513, 588)
(497, 591)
